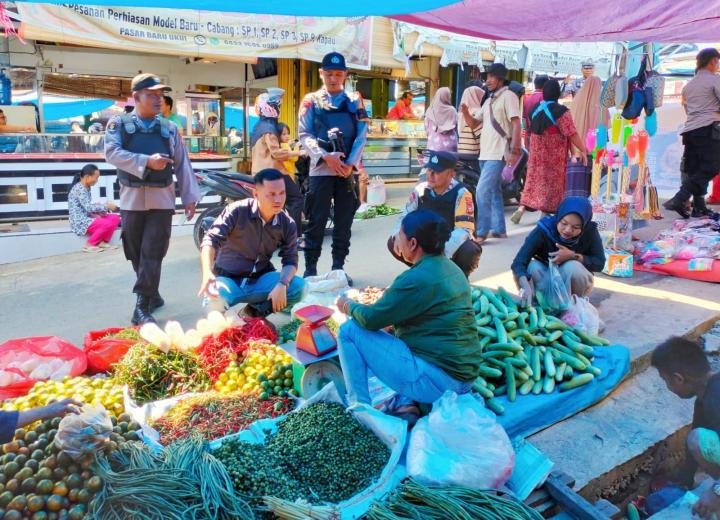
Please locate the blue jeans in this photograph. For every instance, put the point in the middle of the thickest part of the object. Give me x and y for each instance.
(391, 361)
(256, 292)
(489, 198)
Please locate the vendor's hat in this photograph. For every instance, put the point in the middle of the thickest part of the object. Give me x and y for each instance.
(498, 70)
(588, 64)
(147, 81)
(333, 61)
(441, 161)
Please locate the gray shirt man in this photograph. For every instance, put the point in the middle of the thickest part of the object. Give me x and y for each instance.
(147, 198)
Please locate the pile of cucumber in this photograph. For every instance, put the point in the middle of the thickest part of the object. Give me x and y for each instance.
(527, 351)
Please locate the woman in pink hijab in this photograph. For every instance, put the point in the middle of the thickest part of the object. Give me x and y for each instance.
(441, 123)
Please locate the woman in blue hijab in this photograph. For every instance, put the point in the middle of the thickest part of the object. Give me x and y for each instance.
(569, 239)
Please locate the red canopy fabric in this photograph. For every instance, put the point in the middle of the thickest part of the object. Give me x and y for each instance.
(578, 20)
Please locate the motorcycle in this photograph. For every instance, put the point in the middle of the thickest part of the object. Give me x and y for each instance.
(229, 186)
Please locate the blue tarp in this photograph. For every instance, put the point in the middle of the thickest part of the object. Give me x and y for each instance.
(531, 413)
(283, 7)
(70, 108)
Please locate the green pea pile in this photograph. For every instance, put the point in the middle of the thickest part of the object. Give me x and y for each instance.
(256, 472)
(320, 453)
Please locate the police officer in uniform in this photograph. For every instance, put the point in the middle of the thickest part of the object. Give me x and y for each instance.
(444, 195)
(331, 112)
(147, 150)
(571, 87)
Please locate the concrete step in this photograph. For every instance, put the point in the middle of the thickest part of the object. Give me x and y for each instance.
(639, 415)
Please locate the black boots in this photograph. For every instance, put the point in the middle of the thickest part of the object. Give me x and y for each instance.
(678, 204)
(155, 302)
(699, 207)
(310, 266)
(142, 315)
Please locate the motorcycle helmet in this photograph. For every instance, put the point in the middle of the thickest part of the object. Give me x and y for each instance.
(268, 104)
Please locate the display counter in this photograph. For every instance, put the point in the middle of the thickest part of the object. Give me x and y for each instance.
(391, 149)
(36, 170)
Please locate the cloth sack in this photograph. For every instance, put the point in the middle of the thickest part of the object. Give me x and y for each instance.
(577, 179)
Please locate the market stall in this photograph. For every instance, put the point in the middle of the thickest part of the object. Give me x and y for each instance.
(392, 147)
(232, 419)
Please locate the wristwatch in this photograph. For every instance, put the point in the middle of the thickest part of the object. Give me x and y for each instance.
(716, 488)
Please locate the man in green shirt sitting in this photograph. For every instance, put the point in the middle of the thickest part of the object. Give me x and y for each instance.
(435, 344)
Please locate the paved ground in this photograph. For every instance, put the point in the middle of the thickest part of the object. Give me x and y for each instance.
(69, 294)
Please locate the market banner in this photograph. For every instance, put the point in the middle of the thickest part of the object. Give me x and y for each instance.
(206, 34)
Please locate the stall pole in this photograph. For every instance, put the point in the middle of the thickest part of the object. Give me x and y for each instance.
(246, 119)
(39, 90)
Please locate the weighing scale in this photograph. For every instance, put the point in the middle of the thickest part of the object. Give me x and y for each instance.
(315, 357)
(314, 336)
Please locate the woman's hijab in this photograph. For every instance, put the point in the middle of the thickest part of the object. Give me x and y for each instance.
(473, 98)
(441, 113)
(548, 111)
(580, 206)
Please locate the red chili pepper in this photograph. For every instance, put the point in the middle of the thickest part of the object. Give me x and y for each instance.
(216, 352)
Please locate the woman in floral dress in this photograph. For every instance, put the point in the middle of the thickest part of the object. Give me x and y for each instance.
(553, 131)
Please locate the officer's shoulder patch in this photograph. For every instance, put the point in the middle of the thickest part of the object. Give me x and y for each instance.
(112, 126)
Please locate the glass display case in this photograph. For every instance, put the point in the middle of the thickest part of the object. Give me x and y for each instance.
(413, 129)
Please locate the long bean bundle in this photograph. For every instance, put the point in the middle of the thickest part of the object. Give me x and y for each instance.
(416, 501)
(185, 483)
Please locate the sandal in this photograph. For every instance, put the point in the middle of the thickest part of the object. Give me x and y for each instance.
(498, 235)
(105, 245)
(480, 239)
(517, 216)
(92, 249)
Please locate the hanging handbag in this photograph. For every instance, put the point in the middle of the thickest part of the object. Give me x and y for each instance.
(656, 82)
(637, 99)
(577, 179)
(614, 91)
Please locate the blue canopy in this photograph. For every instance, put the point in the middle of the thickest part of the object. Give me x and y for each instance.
(59, 108)
(283, 7)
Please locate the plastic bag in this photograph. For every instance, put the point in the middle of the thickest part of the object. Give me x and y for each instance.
(25, 361)
(84, 433)
(556, 294)
(460, 443)
(376, 193)
(582, 315)
(103, 352)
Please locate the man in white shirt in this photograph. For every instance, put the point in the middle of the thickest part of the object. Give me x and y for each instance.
(499, 145)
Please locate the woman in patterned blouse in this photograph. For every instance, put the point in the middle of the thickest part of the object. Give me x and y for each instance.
(88, 217)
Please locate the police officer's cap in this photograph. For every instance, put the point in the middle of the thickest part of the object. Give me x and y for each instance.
(333, 61)
(588, 64)
(147, 81)
(441, 161)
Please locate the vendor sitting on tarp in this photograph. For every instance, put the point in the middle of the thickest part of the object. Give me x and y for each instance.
(570, 240)
(434, 346)
(683, 366)
(450, 199)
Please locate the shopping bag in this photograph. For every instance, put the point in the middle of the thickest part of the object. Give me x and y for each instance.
(376, 193)
(103, 352)
(577, 181)
(557, 296)
(25, 361)
(460, 443)
(582, 315)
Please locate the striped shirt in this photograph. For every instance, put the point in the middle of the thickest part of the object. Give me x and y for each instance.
(469, 142)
